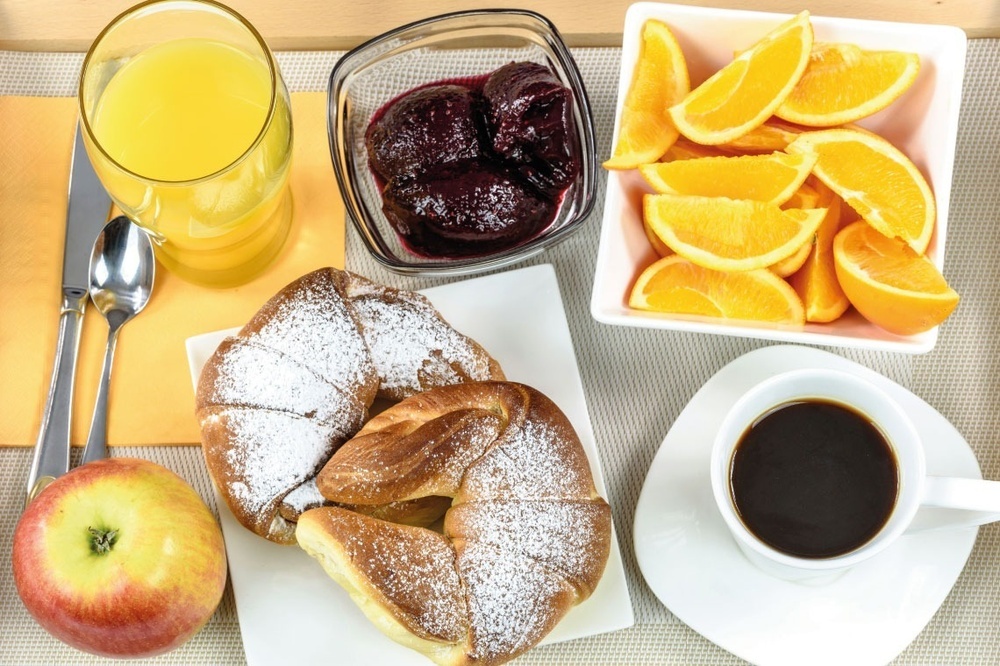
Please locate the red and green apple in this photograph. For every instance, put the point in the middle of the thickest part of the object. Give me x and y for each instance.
(120, 558)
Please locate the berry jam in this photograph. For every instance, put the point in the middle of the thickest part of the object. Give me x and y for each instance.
(477, 165)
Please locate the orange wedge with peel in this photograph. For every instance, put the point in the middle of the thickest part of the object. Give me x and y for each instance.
(804, 197)
(683, 149)
(794, 262)
(675, 285)
(658, 245)
(848, 215)
(816, 281)
(876, 179)
(659, 80)
(744, 94)
(844, 83)
(772, 135)
(771, 177)
(890, 285)
(729, 234)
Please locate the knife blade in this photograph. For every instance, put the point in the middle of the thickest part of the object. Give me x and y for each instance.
(88, 210)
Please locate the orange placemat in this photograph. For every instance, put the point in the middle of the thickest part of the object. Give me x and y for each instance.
(151, 400)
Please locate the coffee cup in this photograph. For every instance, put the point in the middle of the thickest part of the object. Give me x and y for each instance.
(815, 471)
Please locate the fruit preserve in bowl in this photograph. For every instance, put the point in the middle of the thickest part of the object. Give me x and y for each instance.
(462, 143)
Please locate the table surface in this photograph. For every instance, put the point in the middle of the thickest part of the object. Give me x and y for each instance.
(70, 25)
(636, 381)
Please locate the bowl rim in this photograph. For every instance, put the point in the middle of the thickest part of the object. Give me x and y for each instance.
(557, 49)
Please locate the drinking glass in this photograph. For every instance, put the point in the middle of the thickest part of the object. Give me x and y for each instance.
(187, 122)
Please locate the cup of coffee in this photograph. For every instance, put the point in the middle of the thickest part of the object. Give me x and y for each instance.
(816, 470)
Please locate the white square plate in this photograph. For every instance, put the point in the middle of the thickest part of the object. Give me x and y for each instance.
(923, 123)
(518, 317)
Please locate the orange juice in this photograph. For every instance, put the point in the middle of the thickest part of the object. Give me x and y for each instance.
(195, 145)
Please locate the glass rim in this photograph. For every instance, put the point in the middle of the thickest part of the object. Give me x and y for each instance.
(272, 67)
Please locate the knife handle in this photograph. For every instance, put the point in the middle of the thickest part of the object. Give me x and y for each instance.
(51, 458)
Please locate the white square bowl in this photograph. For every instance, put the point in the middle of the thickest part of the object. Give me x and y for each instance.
(923, 123)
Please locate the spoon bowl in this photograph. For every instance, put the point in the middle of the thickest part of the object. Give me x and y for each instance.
(122, 267)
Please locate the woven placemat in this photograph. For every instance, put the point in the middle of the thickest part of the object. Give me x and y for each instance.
(637, 381)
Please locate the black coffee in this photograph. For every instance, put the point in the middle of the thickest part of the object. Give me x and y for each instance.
(814, 479)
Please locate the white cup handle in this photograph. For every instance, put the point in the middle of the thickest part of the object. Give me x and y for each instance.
(950, 502)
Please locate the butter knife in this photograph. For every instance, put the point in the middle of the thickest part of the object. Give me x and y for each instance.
(89, 206)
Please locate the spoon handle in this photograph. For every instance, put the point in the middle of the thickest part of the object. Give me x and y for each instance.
(97, 440)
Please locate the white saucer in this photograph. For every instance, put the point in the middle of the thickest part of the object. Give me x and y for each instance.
(688, 558)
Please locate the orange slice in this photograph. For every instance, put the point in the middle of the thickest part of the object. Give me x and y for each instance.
(659, 246)
(660, 79)
(890, 285)
(848, 215)
(844, 83)
(772, 135)
(774, 177)
(874, 178)
(675, 285)
(745, 93)
(686, 150)
(816, 281)
(804, 197)
(794, 262)
(729, 234)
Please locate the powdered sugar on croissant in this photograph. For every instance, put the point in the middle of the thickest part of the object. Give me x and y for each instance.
(276, 400)
(526, 538)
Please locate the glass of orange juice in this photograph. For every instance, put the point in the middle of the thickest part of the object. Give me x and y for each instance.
(187, 123)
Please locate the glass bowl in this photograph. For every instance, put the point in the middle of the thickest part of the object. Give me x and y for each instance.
(443, 48)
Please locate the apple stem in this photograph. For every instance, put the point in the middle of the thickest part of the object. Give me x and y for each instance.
(102, 540)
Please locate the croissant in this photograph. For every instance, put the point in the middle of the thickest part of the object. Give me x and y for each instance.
(525, 539)
(278, 398)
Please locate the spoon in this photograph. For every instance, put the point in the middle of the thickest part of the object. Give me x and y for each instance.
(121, 279)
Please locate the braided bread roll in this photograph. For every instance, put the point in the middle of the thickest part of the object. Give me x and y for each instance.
(526, 538)
(277, 399)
